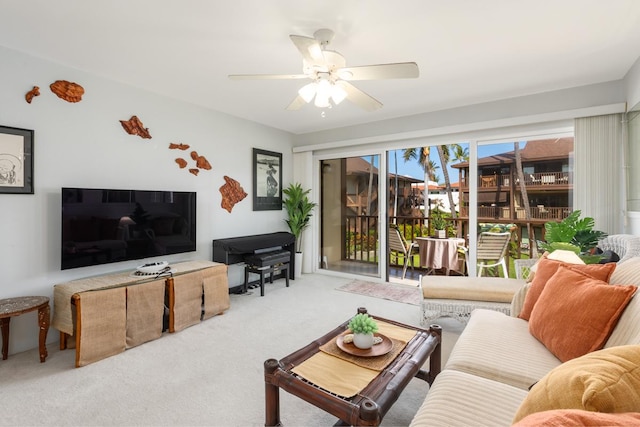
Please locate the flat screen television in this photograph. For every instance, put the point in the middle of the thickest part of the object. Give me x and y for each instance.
(101, 226)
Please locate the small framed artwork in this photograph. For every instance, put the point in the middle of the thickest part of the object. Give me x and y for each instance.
(16, 160)
(267, 180)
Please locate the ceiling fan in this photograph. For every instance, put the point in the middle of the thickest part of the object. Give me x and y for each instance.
(330, 77)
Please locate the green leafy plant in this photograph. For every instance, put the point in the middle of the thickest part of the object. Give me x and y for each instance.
(361, 323)
(573, 234)
(299, 210)
(438, 221)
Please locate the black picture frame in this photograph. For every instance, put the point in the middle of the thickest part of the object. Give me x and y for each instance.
(267, 180)
(16, 160)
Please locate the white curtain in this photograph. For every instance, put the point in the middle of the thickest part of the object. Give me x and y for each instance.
(599, 187)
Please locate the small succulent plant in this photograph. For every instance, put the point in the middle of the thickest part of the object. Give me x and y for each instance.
(361, 323)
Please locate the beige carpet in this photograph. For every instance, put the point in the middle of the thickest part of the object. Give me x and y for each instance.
(399, 293)
(210, 374)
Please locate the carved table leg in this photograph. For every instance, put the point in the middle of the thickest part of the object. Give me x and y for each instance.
(272, 394)
(43, 320)
(4, 322)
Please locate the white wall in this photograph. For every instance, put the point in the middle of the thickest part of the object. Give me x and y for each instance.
(84, 145)
(632, 83)
(537, 108)
(632, 80)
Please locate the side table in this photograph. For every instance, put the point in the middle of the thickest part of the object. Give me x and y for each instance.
(11, 307)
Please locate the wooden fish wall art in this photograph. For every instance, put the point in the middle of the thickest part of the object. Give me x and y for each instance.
(134, 126)
(69, 91)
(33, 92)
(232, 193)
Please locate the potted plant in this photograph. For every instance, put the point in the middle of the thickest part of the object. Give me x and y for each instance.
(439, 224)
(299, 210)
(573, 234)
(362, 326)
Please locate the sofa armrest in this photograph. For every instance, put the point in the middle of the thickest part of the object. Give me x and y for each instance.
(518, 300)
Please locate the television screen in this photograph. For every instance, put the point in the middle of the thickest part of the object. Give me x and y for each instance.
(101, 226)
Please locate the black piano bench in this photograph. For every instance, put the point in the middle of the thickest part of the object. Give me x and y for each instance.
(266, 263)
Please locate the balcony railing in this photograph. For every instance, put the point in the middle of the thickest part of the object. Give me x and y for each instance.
(539, 212)
(530, 179)
(362, 232)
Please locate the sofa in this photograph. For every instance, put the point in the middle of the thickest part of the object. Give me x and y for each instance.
(568, 353)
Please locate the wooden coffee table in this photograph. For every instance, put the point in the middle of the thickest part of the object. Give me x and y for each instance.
(368, 406)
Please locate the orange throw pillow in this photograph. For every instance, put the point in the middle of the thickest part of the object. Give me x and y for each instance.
(548, 267)
(576, 314)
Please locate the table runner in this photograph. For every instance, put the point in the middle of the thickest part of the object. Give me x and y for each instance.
(347, 378)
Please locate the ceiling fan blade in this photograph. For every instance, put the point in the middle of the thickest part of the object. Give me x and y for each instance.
(296, 104)
(358, 97)
(401, 70)
(267, 76)
(309, 48)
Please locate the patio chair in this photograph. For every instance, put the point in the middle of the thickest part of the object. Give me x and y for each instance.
(492, 251)
(399, 245)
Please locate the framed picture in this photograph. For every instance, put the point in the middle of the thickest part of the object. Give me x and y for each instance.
(16, 160)
(267, 180)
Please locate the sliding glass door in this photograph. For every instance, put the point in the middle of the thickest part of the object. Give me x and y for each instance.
(350, 209)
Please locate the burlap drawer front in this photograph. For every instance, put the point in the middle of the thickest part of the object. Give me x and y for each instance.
(216, 291)
(187, 309)
(145, 309)
(101, 329)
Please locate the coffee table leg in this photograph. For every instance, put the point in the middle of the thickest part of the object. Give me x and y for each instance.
(271, 395)
(4, 322)
(435, 360)
(43, 320)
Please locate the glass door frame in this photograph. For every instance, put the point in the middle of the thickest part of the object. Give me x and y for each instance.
(382, 147)
(382, 207)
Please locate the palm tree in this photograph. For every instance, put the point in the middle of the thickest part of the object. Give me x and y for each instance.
(460, 154)
(443, 153)
(395, 185)
(429, 167)
(370, 189)
(524, 194)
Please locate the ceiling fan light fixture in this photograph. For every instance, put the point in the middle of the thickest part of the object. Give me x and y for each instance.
(322, 101)
(307, 92)
(323, 92)
(338, 94)
(315, 51)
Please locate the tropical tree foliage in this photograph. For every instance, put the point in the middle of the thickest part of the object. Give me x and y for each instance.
(428, 166)
(299, 210)
(572, 233)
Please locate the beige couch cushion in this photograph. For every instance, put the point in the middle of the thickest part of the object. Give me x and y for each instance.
(627, 331)
(499, 347)
(459, 399)
(494, 289)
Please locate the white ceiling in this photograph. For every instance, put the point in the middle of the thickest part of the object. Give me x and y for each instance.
(468, 51)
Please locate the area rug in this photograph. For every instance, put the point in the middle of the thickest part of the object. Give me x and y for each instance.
(389, 291)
